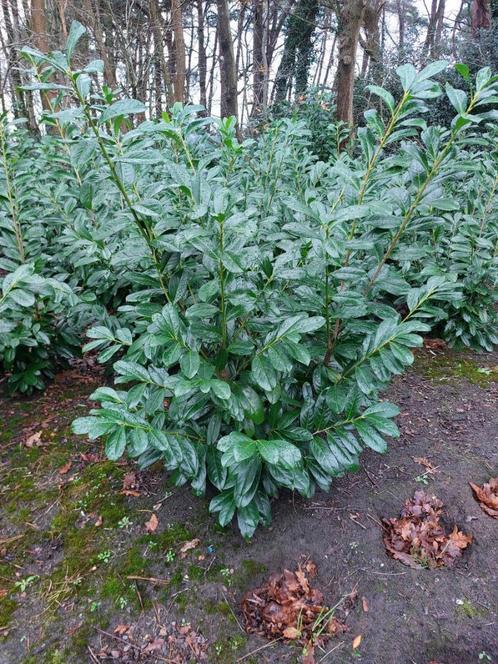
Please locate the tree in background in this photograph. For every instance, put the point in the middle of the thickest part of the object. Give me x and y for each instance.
(241, 56)
(298, 50)
(351, 15)
(228, 72)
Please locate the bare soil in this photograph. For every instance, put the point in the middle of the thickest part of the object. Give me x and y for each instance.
(72, 544)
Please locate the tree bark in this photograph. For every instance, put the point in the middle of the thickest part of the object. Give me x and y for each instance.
(351, 16)
(258, 73)
(177, 23)
(202, 54)
(298, 48)
(432, 42)
(400, 8)
(40, 40)
(228, 72)
(156, 25)
(371, 43)
(109, 69)
(480, 14)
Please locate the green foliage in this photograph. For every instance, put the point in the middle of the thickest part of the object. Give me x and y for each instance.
(315, 109)
(262, 299)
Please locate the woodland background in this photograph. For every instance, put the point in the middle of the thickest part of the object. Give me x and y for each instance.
(245, 57)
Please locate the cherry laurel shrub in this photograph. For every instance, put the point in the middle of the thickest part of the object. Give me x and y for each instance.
(271, 297)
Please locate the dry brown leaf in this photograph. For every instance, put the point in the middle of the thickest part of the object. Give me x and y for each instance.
(357, 641)
(335, 626)
(65, 468)
(154, 646)
(34, 439)
(121, 629)
(99, 521)
(303, 581)
(288, 606)
(291, 633)
(364, 604)
(130, 485)
(418, 539)
(431, 469)
(188, 546)
(151, 524)
(90, 457)
(461, 540)
(434, 344)
(487, 496)
(310, 568)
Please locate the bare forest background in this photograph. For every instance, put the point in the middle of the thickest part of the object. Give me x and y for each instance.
(246, 57)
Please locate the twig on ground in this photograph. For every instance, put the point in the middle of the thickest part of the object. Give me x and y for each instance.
(92, 655)
(233, 613)
(9, 540)
(266, 645)
(150, 579)
(354, 520)
(336, 647)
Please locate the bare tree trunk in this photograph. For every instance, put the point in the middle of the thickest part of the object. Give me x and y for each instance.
(13, 72)
(158, 87)
(257, 57)
(434, 29)
(227, 62)
(190, 52)
(371, 44)
(400, 8)
(211, 73)
(93, 11)
(439, 28)
(176, 20)
(323, 47)
(456, 27)
(331, 60)
(25, 101)
(480, 12)
(156, 25)
(350, 21)
(202, 54)
(40, 39)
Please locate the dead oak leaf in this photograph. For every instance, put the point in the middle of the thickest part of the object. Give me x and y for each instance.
(287, 606)
(335, 627)
(34, 439)
(303, 581)
(423, 461)
(130, 485)
(459, 539)
(291, 633)
(121, 629)
(487, 496)
(154, 646)
(152, 524)
(418, 539)
(188, 546)
(65, 468)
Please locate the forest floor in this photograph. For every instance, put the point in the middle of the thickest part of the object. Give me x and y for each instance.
(86, 575)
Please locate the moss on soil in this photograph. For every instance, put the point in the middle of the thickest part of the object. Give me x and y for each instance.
(447, 367)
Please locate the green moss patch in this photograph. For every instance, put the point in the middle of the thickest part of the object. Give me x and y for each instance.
(444, 368)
